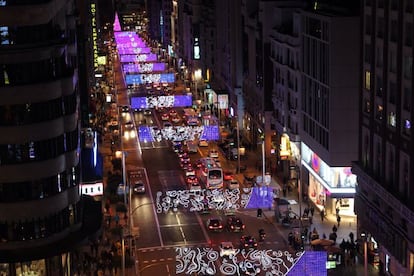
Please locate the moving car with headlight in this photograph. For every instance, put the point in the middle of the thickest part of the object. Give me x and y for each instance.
(214, 225)
(235, 224)
(248, 242)
(138, 187)
(227, 249)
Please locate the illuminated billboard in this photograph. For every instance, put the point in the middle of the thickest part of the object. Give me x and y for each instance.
(178, 133)
(334, 179)
(139, 58)
(149, 78)
(133, 50)
(161, 101)
(143, 67)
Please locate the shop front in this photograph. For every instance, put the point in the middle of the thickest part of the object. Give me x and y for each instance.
(329, 188)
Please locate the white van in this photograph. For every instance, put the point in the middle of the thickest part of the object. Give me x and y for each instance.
(192, 147)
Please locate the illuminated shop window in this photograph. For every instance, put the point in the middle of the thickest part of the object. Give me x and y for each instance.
(380, 112)
(367, 80)
(407, 127)
(392, 119)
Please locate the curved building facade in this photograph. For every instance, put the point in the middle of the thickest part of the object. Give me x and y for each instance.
(42, 213)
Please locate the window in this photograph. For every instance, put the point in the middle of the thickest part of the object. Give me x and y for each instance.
(409, 6)
(380, 27)
(393, 61)
(392, 92)
(379, 86)
(408, 66)
(367, 106)
(392, 119)
(406, 100)
(367, 53)
(368, 24)
(407, 127)
(394, 4)
(379, 56)
(380, 112)
(408, 34)
(367, 80)
(394, 30)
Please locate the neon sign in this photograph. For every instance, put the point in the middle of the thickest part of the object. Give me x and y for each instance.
(94, 36)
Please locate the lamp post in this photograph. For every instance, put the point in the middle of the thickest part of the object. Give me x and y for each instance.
(263, 155)
(238, 144)
(296, 168)
(364, 238)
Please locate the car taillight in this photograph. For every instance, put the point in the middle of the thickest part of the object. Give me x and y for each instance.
(220, 226)
(211, 227)
(243, 226)
(232, 227)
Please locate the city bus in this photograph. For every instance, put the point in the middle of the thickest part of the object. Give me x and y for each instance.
(210, 173)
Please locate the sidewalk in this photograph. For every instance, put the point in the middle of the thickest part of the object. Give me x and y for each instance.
(323, 227)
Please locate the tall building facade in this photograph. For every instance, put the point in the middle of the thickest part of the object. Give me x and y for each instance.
(385, 163)
(329, 100)
(286, 58)
(42, 213)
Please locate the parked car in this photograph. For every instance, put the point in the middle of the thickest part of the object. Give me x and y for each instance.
(147, 112)
(235, 224)
(214, 224)
(227, 249)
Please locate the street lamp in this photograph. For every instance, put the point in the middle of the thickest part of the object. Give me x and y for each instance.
(296, 168)
(364, 237)
(263, 155)
(238, 144)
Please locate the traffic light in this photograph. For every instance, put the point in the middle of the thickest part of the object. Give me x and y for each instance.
(259, 213)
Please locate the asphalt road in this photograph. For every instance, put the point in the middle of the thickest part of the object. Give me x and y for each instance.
(159, 234)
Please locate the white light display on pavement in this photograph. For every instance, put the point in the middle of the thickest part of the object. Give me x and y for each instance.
(203, 261)
(197, 200)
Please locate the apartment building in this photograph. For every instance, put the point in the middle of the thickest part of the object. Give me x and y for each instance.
(385, 163)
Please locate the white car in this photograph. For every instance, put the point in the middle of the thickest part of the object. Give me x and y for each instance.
(227, 249)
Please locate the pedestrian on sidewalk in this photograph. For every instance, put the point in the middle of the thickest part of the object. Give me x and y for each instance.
(351, 237)
(312, 210)
(116, 219)
(338, 219)
(334, 228)
(322, 214)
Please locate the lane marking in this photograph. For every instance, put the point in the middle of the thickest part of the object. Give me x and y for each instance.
(153, 209)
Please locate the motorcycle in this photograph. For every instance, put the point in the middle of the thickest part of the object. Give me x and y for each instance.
(262, 235)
